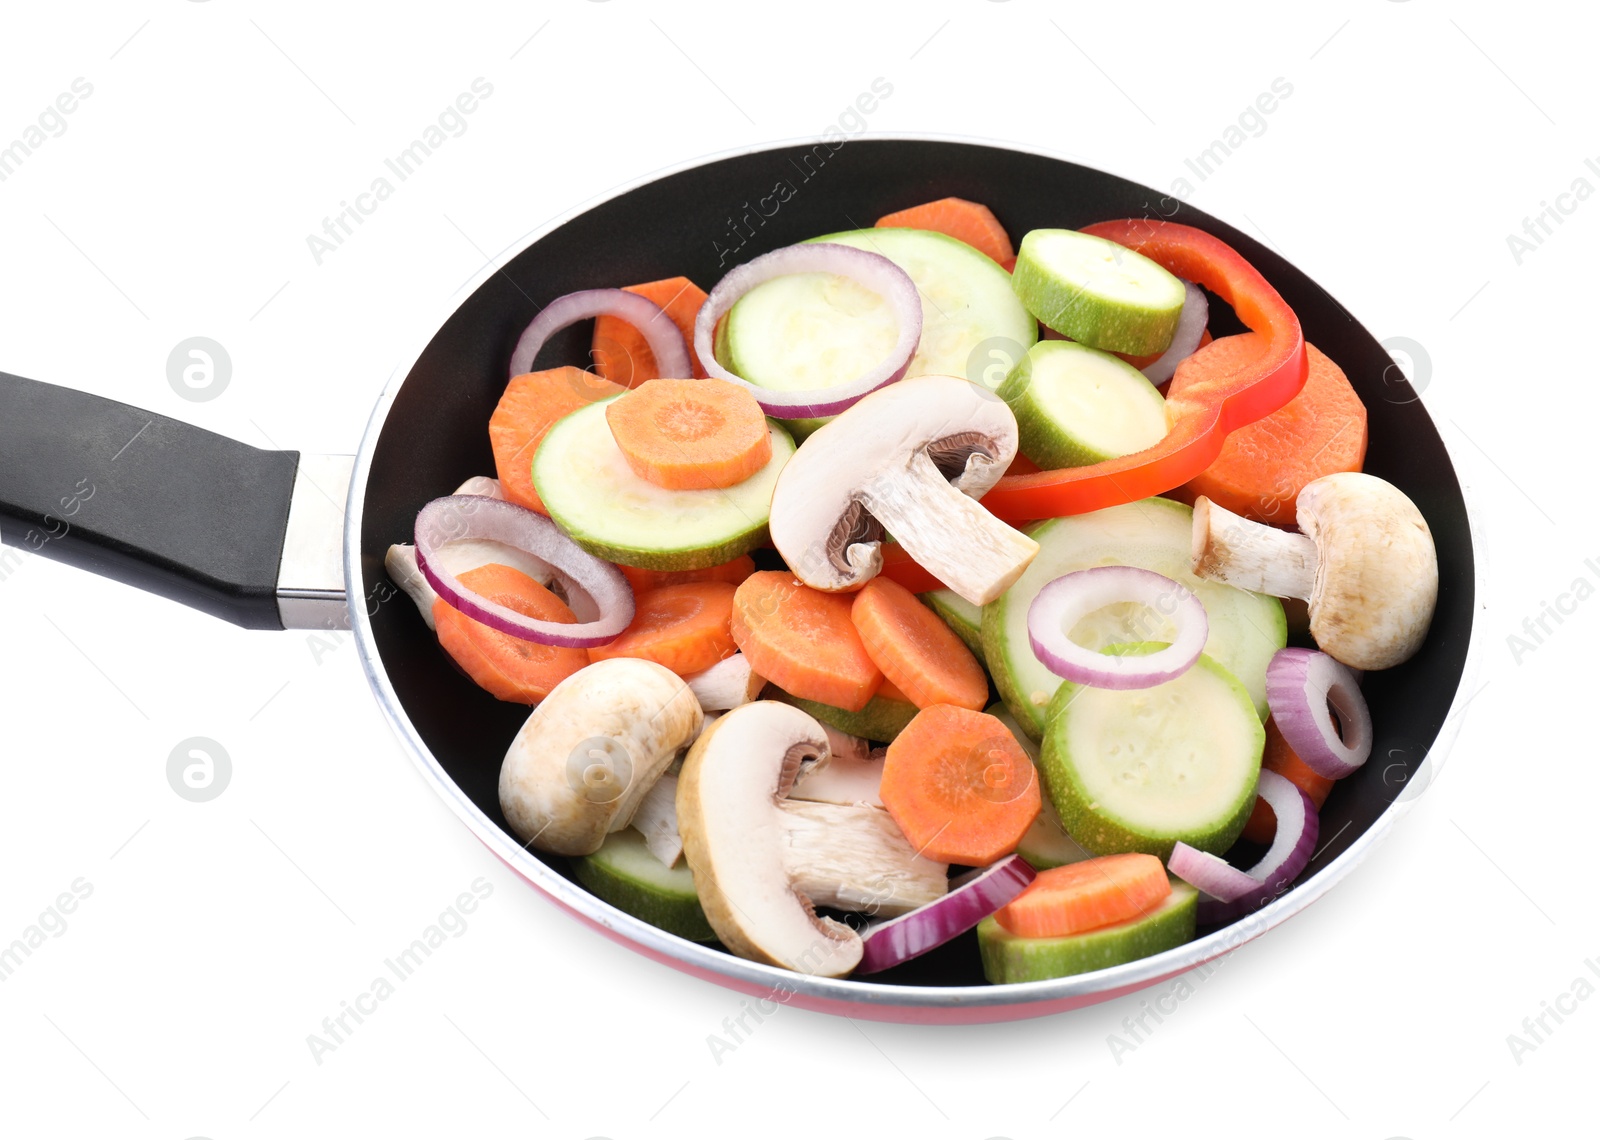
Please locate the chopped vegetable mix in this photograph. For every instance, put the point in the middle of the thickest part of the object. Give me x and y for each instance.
(706, 613)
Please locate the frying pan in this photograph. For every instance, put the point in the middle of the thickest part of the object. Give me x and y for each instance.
(252, 536)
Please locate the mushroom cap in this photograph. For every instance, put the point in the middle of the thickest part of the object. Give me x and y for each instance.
(728, 815)
(1377, 578)
(818, 522)
(583, 760)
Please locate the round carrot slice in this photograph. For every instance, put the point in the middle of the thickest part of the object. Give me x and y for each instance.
(1085, 896)
(620, 352)
(684, 628)
(965, 221)
(960, 786)
(803, 640)
(528, 409)
(691, 435)
(916, 650)
(509, 668)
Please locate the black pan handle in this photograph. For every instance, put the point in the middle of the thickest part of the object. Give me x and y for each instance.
(247, 535)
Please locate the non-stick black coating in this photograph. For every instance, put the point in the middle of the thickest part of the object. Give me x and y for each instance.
(435, 435)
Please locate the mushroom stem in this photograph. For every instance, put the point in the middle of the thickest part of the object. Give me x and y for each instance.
(854, 857)
(843, 746)
(482, 485)
(727, 684)
(948, 533)
(657, 820)
(1229, 548)
(852, 775)
(401, 563)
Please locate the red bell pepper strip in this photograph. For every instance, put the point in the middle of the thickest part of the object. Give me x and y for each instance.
(1201, 416)
(898, 567)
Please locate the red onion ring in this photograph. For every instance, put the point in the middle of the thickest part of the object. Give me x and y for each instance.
(972, 898)
(1233, 892)
(1070, 598)
(596, 591)
(663, 337)
(872, 270)
(1185, 338)
(1301, 684)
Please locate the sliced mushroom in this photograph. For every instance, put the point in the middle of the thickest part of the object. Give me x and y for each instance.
(729, 792)
(582, 762)
(483, 485)
(852, 775)
(727, 684)
(657, 820)
(855, 857)
(1365, 565)
(913, 459)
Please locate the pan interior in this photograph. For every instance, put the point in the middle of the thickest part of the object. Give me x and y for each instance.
(702, 221)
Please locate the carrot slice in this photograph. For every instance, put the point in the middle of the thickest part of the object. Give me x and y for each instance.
(803, 641)
(1087, 895)
(733, 573)
(1280, 758)
(683, 627)
(916, 650)
(691, 435)
(528, 409)
(958, 218)
(619, 351)
(1263, 465)
(960, 786)
(509, 668)
(889, 691)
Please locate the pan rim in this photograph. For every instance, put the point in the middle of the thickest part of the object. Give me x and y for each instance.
(890, 1001)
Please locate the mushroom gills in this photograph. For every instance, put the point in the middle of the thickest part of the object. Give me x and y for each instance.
(852, 775)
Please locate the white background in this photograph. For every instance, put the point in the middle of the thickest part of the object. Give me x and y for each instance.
(220, 934)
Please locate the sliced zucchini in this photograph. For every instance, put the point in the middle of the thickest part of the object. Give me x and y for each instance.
(964, 619)
(1076, 406)
(1046, 843)
(626, 875)
(588, 487)
(1142, 769)
(1008, 957)
(1246, 629)
(814, 330)
(881, 719)
(1097, 292)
